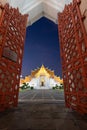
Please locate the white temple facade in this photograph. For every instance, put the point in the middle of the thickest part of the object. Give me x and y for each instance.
(42, 78)
(43, 82)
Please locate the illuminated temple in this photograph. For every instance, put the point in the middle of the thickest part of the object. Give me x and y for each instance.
(42, 78)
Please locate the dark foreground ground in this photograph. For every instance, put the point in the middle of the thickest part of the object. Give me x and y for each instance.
(42, 110)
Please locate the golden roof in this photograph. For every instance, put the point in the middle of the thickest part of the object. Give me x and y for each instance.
(26, 79)
(57, 79)
(42, 71)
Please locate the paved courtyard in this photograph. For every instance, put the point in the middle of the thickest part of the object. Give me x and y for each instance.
(42, 110)
(43, 95)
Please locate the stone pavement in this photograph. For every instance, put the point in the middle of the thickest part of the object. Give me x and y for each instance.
(42, 113)
(41, 95)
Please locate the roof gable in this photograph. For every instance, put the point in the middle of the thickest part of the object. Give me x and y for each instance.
(42, 72)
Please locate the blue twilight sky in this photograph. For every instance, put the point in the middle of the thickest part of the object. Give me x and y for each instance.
(42, 47)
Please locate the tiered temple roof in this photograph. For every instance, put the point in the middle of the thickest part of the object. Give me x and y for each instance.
(42, 71)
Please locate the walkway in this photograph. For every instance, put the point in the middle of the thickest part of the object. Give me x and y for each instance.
(42, 96)
(42, 110)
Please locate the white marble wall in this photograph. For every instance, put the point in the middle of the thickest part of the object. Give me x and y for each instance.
(48, 83)
(38, 8)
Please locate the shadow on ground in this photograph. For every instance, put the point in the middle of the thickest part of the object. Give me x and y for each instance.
(42, 116)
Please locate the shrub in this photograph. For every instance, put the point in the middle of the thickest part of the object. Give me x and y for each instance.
(32, 87)
(25, 86)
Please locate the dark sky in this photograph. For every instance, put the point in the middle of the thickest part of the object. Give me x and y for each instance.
(42, 47)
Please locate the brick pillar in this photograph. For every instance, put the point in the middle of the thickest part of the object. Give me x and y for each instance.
(73, 45)
(12, 34)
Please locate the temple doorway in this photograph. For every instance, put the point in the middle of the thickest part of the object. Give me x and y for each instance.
(42, 83)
